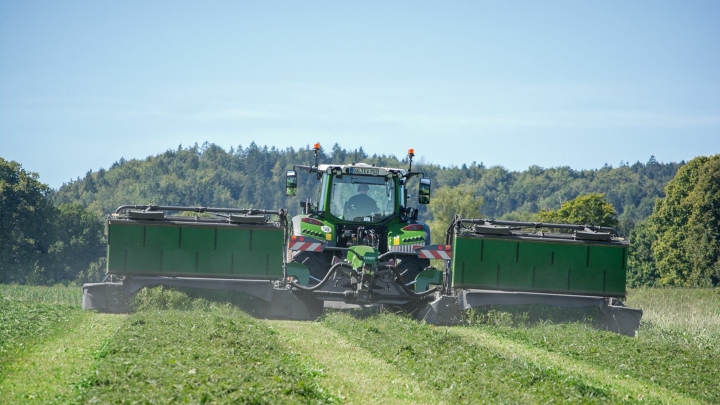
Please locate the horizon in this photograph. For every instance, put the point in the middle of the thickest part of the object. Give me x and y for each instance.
(328, 151)
(327, 147)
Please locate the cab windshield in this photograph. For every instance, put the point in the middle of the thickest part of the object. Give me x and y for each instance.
(362, 198)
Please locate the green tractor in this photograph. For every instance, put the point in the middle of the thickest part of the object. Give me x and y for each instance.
(361, 245)
(362, 218)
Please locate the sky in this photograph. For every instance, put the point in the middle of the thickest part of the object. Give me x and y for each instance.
(515, 84)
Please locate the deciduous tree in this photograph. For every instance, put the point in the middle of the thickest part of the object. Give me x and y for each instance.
(590, 209)
(687, 225)
(446, 203)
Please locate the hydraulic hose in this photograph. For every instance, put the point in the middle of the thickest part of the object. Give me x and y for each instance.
(325, 279)
(335, 267)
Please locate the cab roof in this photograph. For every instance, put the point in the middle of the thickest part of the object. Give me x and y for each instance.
(362, 169)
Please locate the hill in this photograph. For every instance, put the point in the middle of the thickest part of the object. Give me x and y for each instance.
(253, 176)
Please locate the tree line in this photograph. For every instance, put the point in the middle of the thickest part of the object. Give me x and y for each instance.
(42, 242)
(254, 177)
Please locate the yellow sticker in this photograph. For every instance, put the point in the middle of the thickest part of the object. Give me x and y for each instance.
(396, 240)
(328, 236)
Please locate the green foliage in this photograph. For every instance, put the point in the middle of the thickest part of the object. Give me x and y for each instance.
(162, 298)
(25, 225)
(79, 242)
(195, 176)
(686, 224)
(631, 189)
(591, 209)
(255, 176)
(41, 243)
(446, 203)
(642, 270)
(48, 351)
(663, 360)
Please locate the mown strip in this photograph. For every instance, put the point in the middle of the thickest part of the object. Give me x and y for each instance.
(215, 355)
(464, 372)
(56, 370)
(25, 324)
(356, 375)
(659, 358)
(620, 385)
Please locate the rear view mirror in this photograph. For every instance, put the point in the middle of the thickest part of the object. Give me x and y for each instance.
(291, 183)
(424, 193)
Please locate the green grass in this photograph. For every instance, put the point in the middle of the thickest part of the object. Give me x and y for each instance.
(56, 370)
(23, 324)
(664, 362)
(193, 298)
(189, 346)
(58, 294)
(46, 349)
(355, 374)
(213, 355)
(694, 312)
(458, 371)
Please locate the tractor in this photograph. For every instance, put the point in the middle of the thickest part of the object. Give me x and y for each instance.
(361, 245)
(362, 220)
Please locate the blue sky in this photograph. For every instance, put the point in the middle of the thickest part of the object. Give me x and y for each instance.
(559, 83)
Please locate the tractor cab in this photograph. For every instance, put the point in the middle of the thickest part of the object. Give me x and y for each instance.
(360, 192)
(370, 197)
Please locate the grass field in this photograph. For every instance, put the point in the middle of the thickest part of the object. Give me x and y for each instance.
(180, 348)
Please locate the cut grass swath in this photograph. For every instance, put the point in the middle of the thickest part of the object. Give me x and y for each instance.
(24, 324)
(459, 372)
(355, 374)
(216, 355)
(56, 370)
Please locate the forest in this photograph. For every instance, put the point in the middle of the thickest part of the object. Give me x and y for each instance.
(670, 212)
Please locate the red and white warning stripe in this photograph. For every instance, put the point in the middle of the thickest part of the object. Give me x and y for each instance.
(302, 243)
(306, 246)
(441, 252)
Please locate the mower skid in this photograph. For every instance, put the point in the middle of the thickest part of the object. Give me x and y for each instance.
(286, 304)
(621, 319)
(106, 297)
(443, 310)
(114, 296)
